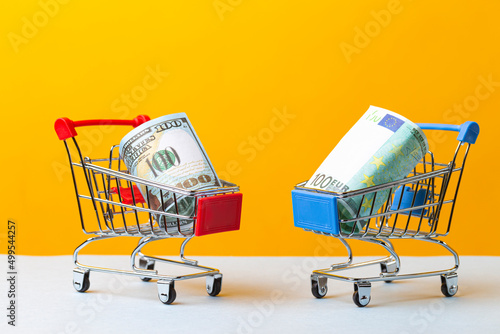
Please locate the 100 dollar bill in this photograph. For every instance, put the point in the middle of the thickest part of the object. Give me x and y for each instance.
(168, 151)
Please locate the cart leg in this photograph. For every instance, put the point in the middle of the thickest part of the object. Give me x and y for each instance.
(214, 284)
(85, 243)
(81, 280)
(349, 256)
(184, 243)
(389, 269)
(146, 264)
(319, 286)
(449, 284)
(166, 291)
(361, 296)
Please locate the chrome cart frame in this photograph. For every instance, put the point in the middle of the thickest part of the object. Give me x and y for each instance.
(106, 189)
(404, 215)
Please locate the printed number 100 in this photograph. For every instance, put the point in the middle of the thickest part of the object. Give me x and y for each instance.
(321, 181)
(191, 182)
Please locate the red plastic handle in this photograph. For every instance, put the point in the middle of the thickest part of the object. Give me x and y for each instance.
(65, 128)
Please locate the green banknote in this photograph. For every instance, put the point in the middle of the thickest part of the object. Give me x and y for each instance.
(381, 147)
(168, 151)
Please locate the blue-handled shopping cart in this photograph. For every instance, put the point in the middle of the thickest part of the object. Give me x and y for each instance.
(419, 207)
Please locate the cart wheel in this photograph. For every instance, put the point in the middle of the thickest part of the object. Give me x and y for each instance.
(214, 285)
(388, 269)
(166, 292)
(449, 284)
(146, 264)
(81, 280)
(359, 301)
(361, 295)
(319, 288)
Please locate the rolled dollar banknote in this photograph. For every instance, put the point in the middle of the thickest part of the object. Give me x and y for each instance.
(168, 151)
(381, 147)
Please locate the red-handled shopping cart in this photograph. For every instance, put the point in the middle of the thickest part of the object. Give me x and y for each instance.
(419, 207)
(111, 206)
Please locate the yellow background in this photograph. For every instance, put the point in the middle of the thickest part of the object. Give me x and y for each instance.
(231, 68)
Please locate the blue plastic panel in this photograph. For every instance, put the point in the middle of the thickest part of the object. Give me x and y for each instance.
(315, 211)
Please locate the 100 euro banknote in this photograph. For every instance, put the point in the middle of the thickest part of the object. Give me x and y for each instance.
(381, 147)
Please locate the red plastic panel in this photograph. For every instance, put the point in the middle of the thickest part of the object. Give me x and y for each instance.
(217, 214)
(126, 195)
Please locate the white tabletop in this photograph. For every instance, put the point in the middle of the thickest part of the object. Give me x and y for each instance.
(259, 295)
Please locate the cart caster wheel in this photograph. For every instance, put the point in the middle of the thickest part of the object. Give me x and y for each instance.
(166, 292)
(81, 281)
(449, 284)
(360, 301)
(214, 285)
(319, 286)
(361, 295)
(388, 269)
(146, 264)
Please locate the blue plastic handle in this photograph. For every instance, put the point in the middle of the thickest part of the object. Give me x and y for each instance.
(467, 132)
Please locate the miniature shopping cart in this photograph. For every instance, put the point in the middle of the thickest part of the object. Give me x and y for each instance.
(111, 206)
(419, 207)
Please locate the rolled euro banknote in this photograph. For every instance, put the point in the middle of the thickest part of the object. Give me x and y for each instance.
(168, 151)
(381, 147)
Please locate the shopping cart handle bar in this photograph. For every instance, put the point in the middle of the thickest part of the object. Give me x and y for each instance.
(467, 132)
(65, 128)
